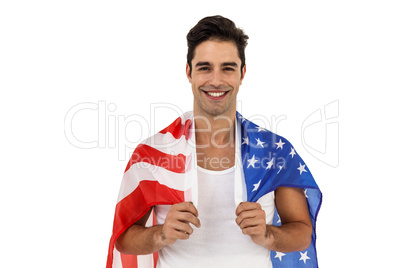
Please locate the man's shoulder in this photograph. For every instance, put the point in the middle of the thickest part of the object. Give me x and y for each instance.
(258, 136)
(173, 135)
(179, 127)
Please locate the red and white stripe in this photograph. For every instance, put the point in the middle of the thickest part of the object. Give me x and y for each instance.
(160, 171)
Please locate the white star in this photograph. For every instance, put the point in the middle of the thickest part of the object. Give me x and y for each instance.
(242, 118)
(302, 168)
(245, 141)
(261, 129)
(279, 255)
(279, 219)
(252, 161)
(279, 144)
(261, 143)
(270, 163)
(305, 193)
(256, 186)
(292, 153)
(280, 168)
(304, 257)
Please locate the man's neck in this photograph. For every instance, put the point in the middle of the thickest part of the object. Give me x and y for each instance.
(215, 130)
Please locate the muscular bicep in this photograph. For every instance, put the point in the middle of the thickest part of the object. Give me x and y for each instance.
(292, 205)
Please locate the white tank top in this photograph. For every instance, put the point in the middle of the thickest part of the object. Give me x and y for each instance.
(219, 242)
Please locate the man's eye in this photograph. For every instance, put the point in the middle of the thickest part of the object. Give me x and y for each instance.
(229, 69)
(203, 69)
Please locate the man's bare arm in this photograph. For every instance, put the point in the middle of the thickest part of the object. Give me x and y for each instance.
(295, 232)
(140, 240)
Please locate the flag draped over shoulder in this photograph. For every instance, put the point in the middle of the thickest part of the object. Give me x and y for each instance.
(270, 161)
(161, 171)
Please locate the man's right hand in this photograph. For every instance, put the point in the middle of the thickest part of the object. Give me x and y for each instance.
(140, 240)
(177, 223)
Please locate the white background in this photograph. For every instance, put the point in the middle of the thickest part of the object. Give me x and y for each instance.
(57, 200)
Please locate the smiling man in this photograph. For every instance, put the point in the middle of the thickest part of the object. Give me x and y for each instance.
(215, 78)
(228, 218)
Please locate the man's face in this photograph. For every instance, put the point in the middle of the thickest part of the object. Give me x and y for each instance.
(215, 78)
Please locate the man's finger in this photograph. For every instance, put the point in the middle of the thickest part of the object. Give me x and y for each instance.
(186, 207)
(244, 206)
(187, 217)
(186, 212)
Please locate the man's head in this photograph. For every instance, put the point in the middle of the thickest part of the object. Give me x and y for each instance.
(216, 28)
(215, 65)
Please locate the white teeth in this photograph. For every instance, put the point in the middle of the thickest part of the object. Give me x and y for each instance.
(215, 94)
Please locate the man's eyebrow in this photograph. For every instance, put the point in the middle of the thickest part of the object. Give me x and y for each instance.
(203, 63)
(206, 63)
(233, 64)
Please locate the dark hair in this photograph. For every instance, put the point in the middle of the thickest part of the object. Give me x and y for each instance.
(216, 28)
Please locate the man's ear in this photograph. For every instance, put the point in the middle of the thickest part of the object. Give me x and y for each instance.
(188, 72)
(243, 74)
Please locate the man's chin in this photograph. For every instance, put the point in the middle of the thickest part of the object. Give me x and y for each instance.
(216, 111)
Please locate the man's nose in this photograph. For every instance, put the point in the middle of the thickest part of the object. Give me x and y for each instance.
(216, 78)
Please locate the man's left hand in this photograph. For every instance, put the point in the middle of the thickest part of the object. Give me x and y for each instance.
(252, 221)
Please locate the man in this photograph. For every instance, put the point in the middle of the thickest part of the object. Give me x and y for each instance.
(222, 222)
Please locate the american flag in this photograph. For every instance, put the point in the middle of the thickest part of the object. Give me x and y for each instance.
(161, 171)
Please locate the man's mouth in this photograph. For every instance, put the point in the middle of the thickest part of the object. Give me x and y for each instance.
(216, 94)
